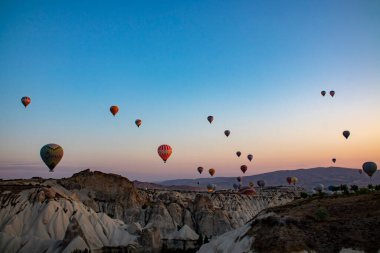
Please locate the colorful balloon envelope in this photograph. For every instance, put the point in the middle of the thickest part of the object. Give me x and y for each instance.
(51, 155)
(289, 180)
(323, 93)
(334, 160)
(164, 151)
(243, 168)
(332, 93)
(294, 180)
(360, 171)
(114, 110)
(238, 154)
(25, 101)
(211, 172)
(200, 170)
(346, 134)
(227, 133)
(138, 122)
(210, 119)
(250, 157)
(369, 168)
(250, 184)
(261, 183)
(211, 187)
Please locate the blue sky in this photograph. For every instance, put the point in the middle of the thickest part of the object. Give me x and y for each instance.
(257, 66)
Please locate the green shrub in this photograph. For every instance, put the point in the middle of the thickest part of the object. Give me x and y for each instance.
(354, 188)
(363, 191)
(321, 214)
(304, 195)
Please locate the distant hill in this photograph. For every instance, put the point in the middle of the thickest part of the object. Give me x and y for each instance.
(147, 185)
(308, 178)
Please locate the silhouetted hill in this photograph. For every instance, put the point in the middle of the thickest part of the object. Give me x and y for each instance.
(308, 178)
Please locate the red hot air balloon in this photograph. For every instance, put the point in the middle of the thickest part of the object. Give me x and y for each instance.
(332, 93)
(211, 171)
(250, 157)
(334, 160)
(227, 133)
(25, 101)
(346, 134)
(238, 154)
(289, 180)
(200, 170)
(114, 110)
(323, 93)
(243, 168)
(138, 122)
(210, 119)
(164, 151)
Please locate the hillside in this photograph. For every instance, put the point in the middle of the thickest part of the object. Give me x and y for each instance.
(308, 178)
(329, 224)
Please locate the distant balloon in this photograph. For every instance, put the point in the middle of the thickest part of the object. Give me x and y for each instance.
(25, 101)
(200, 170)
(114, 110)
(250, 157)
(250, 184)
(210, 119)
(294, 180)
(360, 171)
(331, 188)
(238, 154)
(211, 171)
(369, 168)
(323, 93)
(236, 186)
(239, 179)
(164, 151)
(332, 93)
(51, 155)
(261, 183)
(334, 160)
(243, 168)
(289, 180)
(138, 122)
(227, 133)
(346, 134)
(211, 187)
(319, 187)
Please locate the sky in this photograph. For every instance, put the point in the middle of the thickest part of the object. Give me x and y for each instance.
(257, 66)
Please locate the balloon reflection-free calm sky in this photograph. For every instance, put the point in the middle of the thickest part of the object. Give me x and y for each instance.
(257, 66)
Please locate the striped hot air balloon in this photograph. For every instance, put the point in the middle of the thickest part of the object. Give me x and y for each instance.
(164, 151)
(51, 154)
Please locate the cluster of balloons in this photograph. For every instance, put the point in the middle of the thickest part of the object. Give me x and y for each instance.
(114, 109)
(292, 180)
(332, 93)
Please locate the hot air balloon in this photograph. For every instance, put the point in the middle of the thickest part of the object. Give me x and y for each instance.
(261, 183)
(200, 170)
(369, 168)
(25, 101)
(114, 110)
(243, 168)
(239, 179)
(323, 93)
(289, 180)
(210, 119)
(211, 171)
(360, 171)
(138, 122)
(164, 151)
(332, 93)
(294, 180)
(211, 187)
(346, 134)
(250, 157)
(331, 188)
(51, 154)
(319, 188)
(238, 154)
(227, 133)
(334, 160)
(250, 184)
(236, 186)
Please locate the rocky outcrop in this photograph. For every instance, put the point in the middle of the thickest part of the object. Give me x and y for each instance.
(318, 224)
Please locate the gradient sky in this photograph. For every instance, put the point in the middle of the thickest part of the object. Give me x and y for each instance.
(257, 66)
